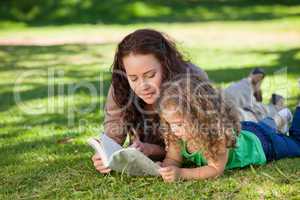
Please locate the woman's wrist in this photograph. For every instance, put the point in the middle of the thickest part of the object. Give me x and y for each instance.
(155, 150)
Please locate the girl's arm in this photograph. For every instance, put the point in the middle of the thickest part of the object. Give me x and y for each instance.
(173, 156)
(212, 170)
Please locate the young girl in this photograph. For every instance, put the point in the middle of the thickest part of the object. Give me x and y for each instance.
(202, 128)
(143, 60)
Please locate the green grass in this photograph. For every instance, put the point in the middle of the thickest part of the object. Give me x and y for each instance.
(45, 156)
(37, 13)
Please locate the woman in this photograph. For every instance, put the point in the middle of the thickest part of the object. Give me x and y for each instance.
(143, 61)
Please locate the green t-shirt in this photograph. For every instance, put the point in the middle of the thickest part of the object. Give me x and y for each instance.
(248, 151)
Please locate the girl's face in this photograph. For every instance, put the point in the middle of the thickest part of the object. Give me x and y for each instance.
(144, 74)
(176, 123)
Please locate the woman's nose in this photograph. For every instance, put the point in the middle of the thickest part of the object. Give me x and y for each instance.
(145, 85)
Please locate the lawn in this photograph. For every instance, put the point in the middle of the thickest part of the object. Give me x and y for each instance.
(54, 81)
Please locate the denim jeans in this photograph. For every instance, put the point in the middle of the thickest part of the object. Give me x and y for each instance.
(276, 145)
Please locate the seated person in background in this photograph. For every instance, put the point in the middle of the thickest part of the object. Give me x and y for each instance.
(256, 76)
(244, 94)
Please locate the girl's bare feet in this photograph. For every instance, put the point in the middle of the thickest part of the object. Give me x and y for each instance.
(286, 117)
(277, 101)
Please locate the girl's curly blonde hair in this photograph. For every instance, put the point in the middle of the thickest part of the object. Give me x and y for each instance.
(211, 122)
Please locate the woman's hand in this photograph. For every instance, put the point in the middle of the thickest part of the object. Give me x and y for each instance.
(99, 164)
(145, 148)
(170, 173)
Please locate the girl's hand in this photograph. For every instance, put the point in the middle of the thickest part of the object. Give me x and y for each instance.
(170, 173)
(99, 164)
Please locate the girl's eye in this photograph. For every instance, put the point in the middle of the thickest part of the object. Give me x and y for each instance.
(179, 125)
(175, 126)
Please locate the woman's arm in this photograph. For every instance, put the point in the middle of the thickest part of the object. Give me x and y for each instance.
(157, 151)
(153, 151)
(113, 126)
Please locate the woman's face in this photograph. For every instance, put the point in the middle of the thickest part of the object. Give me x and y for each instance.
(144, 74)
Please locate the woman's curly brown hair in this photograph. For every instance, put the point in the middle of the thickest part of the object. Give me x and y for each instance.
(143, 41)
(210, 120)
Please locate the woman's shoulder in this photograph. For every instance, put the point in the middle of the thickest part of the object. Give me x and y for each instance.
(194, 69)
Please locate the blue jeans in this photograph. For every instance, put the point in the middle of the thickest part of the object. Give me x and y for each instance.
(276, 145)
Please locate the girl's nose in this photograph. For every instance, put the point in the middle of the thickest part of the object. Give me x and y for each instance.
(174, 129)
(177, 133)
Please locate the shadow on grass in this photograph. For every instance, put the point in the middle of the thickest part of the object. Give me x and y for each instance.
(45, 59)
(43, 55)
(98, 79)
(285, 59)
(101, 79)
(48, 143)
(136, 11)
(81, 86)
(63, 170)
(57, 164)
(287, 64)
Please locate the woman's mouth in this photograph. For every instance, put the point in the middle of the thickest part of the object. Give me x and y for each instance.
(148, 95)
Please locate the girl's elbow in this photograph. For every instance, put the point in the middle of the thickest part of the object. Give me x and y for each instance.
(219, 172)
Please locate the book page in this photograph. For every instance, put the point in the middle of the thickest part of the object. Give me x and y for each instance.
(96, 145)
(133, 162)
(109, 146)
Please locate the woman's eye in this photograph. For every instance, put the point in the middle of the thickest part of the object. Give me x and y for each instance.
(151, 75)
(133, 79)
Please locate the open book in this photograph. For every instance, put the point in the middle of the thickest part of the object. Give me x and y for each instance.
(125, 160)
